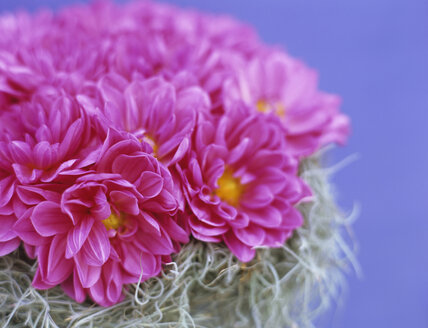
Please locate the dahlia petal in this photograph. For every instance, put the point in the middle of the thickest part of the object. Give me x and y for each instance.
(174, 230)
(180, 152)
(243, 252)
(96, 249)
(150, 184)
(48, 220)
(226, 211)
(113, 158)
(26, 174)
(265, 157)
(38, 281)
(153, 224)
(43, 154)
(30, 250)
(239, 151)
(6, 227)
(111, 86)
(50, 175)
(214, 172)
(73, 288)
(204, 134)
(203, 213)
(213, 160)
(307, 122)
(191, 100)
(7, 187)
(44, 134)
(296, 190)
(98, 177)
(164, 202)
(220, 137)
(9, 246)
(113, 281)
(120, 184)
(32, 195)
(241, 220)
(89, 159)
(168, 145)
(195, 170)
(136, 262)
(302, 145)
(125, 202)
(102, 209)
(206, 195)
(76, 209)
(72, 138)
(26, 231)
(77, 236)
(337, 131)
(273, 178)
(56, 267)
(276, 238)
(162, 105)
(292, 219)
(130, 119)
(268, 217)
(258, 197)
(114, 256)
(205, 229)
(21, 152)
(98, 293)
(131, 167)
(159, 245)
(14, 207)
(251, 235)
(88, 274)
(205, 238)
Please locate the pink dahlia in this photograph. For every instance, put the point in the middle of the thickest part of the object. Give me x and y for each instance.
(114, 225)
(241, 184)
(155, 111)
(273, 82)
(40, 139)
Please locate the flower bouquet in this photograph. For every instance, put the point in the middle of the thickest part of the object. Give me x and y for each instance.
(160, 168)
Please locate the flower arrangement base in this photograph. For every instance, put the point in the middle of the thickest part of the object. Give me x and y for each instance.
(205, 285)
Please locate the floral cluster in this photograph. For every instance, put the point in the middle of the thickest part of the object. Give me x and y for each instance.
(125, 131)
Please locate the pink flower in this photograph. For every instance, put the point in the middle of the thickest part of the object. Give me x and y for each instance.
(41, 138)
(155, 111)
(114, 225)
(39, 141)
(241, 184)
(274, 82)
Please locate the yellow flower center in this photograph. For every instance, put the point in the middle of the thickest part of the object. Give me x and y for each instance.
(229, 188)
(114, 221)
(280, 110)
(151, 141)
(264, 106)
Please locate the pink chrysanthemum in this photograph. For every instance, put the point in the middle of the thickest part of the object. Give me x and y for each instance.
(114, 225)
(240, 183)
(154, 111)
(39, 140)
(273, 82)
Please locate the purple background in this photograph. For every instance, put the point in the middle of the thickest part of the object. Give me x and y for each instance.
(375, 54)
